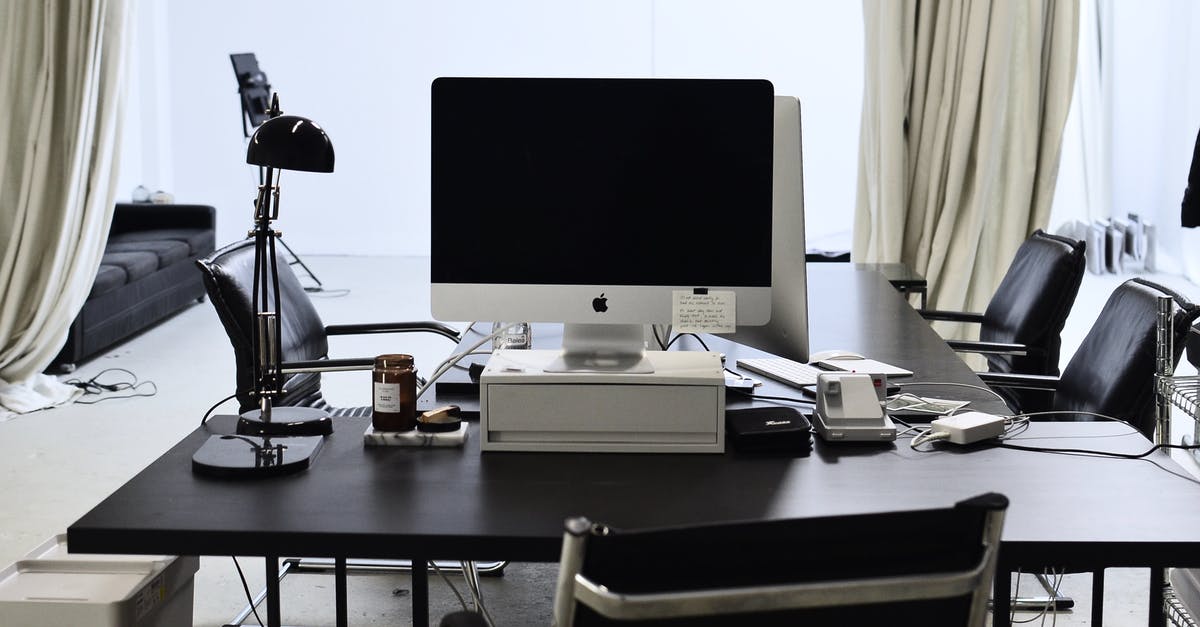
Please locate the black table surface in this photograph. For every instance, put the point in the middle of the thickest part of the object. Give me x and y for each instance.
(386, 502)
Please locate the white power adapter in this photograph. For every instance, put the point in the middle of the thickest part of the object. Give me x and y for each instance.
(968, 427)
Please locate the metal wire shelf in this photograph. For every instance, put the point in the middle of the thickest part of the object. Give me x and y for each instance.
(1184, 393)
(1175, 611)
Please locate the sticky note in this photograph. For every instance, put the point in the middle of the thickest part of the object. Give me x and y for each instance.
(712, 311)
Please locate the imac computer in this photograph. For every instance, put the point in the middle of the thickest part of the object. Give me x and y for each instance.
(786, 334)
(596, 202)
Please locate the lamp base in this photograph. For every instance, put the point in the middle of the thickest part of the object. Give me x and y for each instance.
(286, 421)
(248, 457)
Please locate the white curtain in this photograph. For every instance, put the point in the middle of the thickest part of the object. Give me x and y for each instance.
(964, 105)
(60, 89)
(1084, 188)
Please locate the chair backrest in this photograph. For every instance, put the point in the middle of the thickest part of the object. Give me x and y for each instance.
(1112, 371)
(928, 567)
(229, 280)
(1030, 307)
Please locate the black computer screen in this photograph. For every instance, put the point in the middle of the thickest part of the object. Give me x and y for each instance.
(601, 181)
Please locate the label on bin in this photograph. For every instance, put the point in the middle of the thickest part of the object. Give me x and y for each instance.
(149, 597)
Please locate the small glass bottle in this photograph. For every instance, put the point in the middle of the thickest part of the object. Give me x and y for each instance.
(519, 335)
(395, 393)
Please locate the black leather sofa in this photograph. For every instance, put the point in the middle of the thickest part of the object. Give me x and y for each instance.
(147, 274)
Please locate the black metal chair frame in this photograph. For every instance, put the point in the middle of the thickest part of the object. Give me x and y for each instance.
(892, 584)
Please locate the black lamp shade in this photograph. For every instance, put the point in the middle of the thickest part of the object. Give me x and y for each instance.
(290, 142)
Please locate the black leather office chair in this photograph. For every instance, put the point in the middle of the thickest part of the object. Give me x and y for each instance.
(1112, 371)
(229, 278)
(1021, 329)
(840, 570)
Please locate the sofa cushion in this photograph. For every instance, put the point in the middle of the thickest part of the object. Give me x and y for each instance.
(168, 251)
(108, 278)
(199, 241)
(135, 264)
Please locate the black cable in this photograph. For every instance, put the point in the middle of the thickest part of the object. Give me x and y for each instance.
(93, 387)
(246, 587)
(113, 398)
(208, 413)
(1080, 451)
(676, 338)
(761, 397)
(658, 338)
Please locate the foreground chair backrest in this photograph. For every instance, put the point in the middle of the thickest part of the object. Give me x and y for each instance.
(928, 567)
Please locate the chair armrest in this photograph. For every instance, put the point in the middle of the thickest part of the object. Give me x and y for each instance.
(129, 217)
(427, 326)
(951, 316)
(1022, 381)
(988, 348)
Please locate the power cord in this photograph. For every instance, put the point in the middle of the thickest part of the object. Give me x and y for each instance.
(1041, 614)
(246, 588)
(1018, 423)
(928, 435)
(453, 359)
(471, 576)
(676, 339)
(1098, 453)
(461, 601)
(93, 387)
(204, 418)
(658, 339)
(981, 388)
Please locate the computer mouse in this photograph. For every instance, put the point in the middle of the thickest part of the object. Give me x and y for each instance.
(831, 355)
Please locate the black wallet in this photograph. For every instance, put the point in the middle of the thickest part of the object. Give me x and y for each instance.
(768, 429)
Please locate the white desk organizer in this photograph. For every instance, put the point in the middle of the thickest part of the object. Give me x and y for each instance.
(680, 408)
(52, 588)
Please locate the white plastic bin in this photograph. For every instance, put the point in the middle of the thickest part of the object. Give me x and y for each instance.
(52, 588)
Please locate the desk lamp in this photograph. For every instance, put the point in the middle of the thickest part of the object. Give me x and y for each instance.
(283, 142)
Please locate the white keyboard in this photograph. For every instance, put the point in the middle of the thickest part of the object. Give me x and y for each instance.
(793, 373)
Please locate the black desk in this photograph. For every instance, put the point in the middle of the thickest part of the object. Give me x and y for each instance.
(902, 277)
(458, 504)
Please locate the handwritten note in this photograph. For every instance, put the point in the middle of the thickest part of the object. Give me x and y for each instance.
(709, 312)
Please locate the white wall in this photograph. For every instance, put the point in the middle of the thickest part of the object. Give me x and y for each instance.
(1156, 112)
(362, 70)
(1148, 67)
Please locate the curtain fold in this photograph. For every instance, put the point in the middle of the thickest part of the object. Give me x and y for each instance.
(61, 86)
(963, 114)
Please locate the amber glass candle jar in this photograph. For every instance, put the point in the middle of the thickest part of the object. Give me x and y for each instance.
(394, 381)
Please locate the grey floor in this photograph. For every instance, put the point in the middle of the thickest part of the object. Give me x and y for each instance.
(57, 464)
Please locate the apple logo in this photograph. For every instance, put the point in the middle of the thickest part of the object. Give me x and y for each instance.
(600, 303)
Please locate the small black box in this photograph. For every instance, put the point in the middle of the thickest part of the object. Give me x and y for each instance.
(768, 429)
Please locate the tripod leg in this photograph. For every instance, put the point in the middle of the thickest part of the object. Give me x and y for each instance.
(296, 260)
